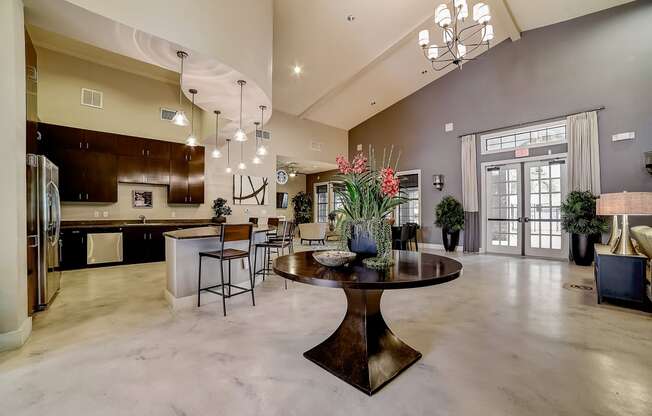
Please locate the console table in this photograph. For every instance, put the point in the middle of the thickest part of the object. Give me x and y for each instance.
(621, 277)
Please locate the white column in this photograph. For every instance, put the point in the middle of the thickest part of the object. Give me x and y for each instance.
(15, 325)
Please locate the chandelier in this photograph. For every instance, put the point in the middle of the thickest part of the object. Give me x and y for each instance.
(458, 41)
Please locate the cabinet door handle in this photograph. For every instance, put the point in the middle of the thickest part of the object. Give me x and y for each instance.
(80, 196)
(87, 145)
(144, 236)
(142, 152)
(190, 198)
(150, 236)
(147, 152)
(87, 196)
(80, 145)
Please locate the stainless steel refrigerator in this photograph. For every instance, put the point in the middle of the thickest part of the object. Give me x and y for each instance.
(43, 226)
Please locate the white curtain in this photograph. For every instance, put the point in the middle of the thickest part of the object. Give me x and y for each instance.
(583, 152)
(470, 195)
(469, 176)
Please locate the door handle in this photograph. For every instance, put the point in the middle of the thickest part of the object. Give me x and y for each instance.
(526, 219)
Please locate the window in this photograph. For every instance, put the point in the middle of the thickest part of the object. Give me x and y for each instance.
(337, 199)
(410, 210)
(321, 201)
(531, 136)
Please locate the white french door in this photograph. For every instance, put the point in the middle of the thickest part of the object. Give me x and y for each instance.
(503, 209)
(545, 188)
(522, 208)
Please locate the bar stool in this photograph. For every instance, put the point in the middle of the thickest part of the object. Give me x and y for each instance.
(229, 233)
(278, 245)
(272, 223)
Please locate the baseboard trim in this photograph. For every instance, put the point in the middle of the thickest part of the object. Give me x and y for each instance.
(178, 304)
(15, 339)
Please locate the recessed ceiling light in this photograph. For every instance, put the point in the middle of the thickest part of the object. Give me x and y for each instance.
(296, 70)
(350, 18)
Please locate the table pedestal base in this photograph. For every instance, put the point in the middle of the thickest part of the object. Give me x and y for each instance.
(363, 351)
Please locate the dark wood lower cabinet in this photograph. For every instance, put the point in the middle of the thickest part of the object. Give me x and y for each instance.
(144, 244)
(73, 249)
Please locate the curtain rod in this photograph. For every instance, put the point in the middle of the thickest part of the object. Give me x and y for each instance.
(533, 122)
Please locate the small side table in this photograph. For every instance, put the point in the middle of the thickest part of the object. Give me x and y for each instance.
(621, 277)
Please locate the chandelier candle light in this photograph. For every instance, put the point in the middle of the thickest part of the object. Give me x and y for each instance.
(458, 41)
(180, 118)
(192, 139)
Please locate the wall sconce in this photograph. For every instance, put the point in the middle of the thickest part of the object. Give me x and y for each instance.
(438, 181)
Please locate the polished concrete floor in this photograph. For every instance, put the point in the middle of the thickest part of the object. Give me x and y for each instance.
(504, 339)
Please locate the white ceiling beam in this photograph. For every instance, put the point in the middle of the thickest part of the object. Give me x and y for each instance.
(409, 36)
(504, 15)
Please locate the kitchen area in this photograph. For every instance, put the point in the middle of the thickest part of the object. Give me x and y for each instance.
(109, 171)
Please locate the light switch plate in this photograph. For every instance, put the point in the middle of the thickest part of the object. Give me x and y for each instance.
(630, 135)
(173, 214)
(96, 214)
(449, 127)
(105, 214)
(359, 148)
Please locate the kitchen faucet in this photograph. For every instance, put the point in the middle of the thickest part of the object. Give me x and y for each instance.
(142, 219)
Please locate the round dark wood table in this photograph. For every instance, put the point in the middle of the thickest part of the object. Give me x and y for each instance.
(363, 351)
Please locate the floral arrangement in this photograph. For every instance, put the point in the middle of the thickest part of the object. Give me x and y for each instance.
(369, 195)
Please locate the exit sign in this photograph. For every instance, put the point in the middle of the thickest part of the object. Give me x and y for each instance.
(522, 152)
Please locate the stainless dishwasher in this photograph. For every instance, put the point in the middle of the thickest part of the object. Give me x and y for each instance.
(103, 248)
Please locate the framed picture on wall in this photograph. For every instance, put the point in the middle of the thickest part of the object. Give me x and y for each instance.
(142, 199)
(250, 190)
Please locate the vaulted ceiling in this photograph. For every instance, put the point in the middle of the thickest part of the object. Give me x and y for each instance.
(353, 68)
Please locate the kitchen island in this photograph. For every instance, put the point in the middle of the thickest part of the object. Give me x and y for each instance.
(182, 248)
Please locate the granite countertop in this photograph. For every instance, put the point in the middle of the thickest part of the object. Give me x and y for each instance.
(133, 223)
(206, 232)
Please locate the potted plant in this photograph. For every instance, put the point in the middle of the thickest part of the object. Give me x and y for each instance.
(578, 218)
(449, 215)
(370, 192)
(332, 217)
(302, 207)
(220, 209)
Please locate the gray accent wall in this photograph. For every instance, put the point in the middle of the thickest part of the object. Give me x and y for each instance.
(600, 59)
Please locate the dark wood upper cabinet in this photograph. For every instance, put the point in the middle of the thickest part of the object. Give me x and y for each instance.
(86, 176)
(91, 164)
(186, 174)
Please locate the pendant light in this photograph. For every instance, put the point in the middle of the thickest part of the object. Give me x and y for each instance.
(228, 156)
(256, 160)
(216, 154)
(261, 150)
(192, 139)
(240, 135)
(180, 118)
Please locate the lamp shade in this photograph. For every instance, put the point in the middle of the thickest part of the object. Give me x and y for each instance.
(481, 13)
(433, 52)
(487, 33)
(424, 38)
(442, 15)
(625, 203)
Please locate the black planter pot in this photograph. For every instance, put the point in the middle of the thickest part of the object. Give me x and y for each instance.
(362, 243)
(450, 239)
(219, 220)
(582, 249)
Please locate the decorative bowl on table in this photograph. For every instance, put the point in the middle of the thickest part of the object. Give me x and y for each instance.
(333, 258)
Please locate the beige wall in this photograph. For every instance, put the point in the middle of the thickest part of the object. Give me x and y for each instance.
(15, 326)
(131, 106)
(293, 187)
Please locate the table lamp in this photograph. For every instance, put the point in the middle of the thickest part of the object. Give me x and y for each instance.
(625, 204)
